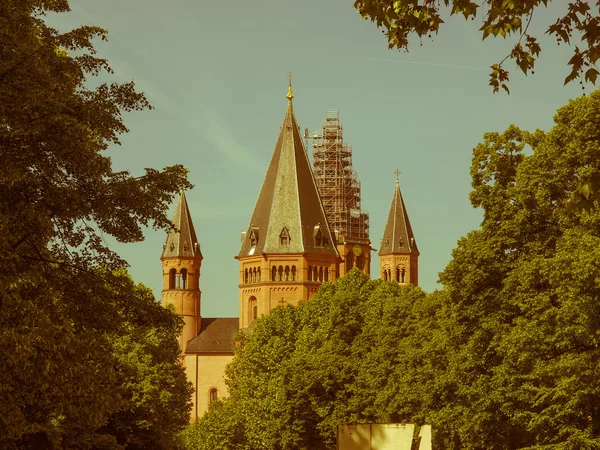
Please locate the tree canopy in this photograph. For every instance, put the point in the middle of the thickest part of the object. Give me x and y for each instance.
(89, 360)
(505, 356)
(402, 18)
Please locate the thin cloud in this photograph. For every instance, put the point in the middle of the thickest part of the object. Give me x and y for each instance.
(425, 63)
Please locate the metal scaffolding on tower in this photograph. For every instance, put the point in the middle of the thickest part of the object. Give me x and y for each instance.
(337, 182)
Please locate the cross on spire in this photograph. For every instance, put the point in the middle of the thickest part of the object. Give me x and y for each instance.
(290, 75)
(398, 173)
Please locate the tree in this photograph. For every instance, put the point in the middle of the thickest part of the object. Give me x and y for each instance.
(300, 371)
(401, 18)
(524, 296)
(59, 318)
(149, 376)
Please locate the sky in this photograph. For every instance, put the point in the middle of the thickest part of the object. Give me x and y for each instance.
(214, 73)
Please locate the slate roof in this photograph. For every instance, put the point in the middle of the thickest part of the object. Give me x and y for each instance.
(398, 236)
(288, 199)
(216, 336)
(183, 243)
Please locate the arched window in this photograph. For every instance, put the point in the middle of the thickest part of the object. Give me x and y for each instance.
(213, 395)
(252, 309)
(385, 278)
(258, 274)
(172, 275)
(390, 274)
(402, 274)
(316, 273)
(293, 273)
(326, 273)
(183, 278)
(246, 276)
(273, 273)
(360, 262)
(280, 273)
(287, 273)
(349, 261)
(254, 275)
(320, 274)
(310, 273)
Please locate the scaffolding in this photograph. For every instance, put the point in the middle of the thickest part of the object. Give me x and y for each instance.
(337, 181)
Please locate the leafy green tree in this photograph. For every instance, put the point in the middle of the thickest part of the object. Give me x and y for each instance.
(63, 336)
(149, 375)
(524, 294)
(298, 372)
(401, 18)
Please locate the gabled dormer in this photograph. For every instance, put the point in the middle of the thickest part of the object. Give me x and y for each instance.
(253, 237)
(284, 238)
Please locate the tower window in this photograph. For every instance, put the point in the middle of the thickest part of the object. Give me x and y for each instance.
(280, 273)
(287, 273)
(310, 273)
(172, 276)
(293, 273)
(183, 278)
(246, 276)
(252, 309)
(274, 273)
(258, 274)
(402, 274)
(326, 273)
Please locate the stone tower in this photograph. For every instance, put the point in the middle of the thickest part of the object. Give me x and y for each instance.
(181, 260)
(340, 191)
(398, 253)
(288, 249)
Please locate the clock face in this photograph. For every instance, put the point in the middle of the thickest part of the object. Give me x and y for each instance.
(357, 250)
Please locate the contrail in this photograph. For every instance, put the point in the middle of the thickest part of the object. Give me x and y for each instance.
(424, 63)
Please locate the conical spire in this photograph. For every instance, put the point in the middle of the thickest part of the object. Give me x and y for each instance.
(398, 236)
(288, 216)
(183, 243)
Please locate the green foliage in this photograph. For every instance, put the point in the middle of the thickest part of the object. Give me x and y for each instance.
(303, 370)
(401, 18)
(88, 359)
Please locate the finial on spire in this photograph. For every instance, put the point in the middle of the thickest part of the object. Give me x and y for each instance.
(289, 95)
(398, 173)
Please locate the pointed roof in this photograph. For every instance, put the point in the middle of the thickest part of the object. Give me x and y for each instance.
(288, 203)
(398, 236)
(182, 243)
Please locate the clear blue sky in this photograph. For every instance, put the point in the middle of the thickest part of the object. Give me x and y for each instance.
(214, 71)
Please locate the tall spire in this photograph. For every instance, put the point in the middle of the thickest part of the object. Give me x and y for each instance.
(398, 236)
(288, 203)
(183, 243)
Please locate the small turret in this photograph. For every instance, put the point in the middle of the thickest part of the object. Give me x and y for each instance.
(181, 261)
(398, 253)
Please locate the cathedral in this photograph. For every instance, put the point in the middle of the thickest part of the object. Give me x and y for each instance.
(307, 228)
